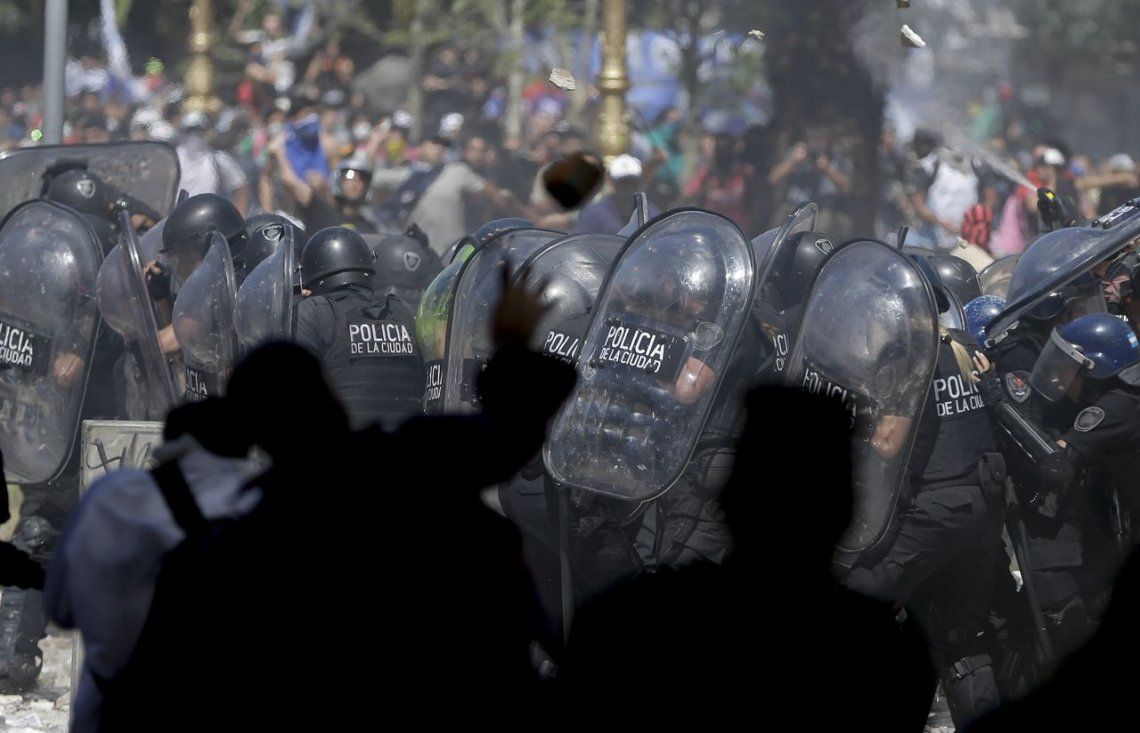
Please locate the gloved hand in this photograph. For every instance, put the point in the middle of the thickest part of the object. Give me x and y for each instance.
(989, 384)
(158, 281)
(992, 392)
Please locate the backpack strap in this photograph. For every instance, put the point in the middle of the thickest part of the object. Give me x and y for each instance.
(178, 497)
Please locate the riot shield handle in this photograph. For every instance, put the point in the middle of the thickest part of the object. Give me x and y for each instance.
(900, 236)
(641, 206)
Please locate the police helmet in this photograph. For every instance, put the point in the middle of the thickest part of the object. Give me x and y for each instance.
(189, 227)
(83, 191)
(794, 267)
(1099, 345)
(958, 276)
(979, 313)
(403, 265)
(264, 233)
(349, 170)
(931, 274)
(334, 258)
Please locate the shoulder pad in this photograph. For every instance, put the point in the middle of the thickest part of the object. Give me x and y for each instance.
(1088, 419)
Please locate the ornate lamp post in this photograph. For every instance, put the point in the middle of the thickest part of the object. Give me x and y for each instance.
(613, 81)
(200, 75)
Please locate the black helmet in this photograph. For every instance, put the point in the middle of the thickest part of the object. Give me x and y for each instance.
(83, 191)
(958, 276)
(352, 169)
(334, 258)
(264, 233)
(403, 265)
(794, 267)
(189, 226)
(494, 228)
(935, 280)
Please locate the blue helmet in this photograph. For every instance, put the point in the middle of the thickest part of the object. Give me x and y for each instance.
(1106, 341)
(979, 312)
(1099, 345)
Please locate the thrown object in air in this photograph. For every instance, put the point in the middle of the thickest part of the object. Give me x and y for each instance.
(755, 34)
(574, 179)
(910, 39)
(563, 79)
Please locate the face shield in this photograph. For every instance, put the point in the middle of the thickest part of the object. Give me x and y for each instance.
(1084, 296)
(1057, 366)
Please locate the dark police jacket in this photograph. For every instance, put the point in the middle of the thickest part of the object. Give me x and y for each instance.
(368, 347)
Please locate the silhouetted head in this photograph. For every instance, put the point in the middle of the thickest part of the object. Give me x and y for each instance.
(211, 423)
(782, 506)
(279, 392)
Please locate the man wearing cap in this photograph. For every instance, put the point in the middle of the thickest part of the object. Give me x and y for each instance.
(610, 213)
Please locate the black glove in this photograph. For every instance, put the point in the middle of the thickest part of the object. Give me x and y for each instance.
(993, 394)
(159, 285)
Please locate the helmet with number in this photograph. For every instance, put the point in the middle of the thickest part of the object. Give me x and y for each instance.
(334, 258)
(979, 312)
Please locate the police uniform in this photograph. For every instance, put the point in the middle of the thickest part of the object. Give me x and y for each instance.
(1064, 546)
(369, 351)
(941, 562)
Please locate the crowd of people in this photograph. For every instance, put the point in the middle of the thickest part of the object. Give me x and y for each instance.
(299, 92)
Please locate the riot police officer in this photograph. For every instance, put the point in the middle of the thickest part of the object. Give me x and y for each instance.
(365, 339)
(941, 562)
(1094, 362)
(1059, 545)
(186, 237)
(189, 228)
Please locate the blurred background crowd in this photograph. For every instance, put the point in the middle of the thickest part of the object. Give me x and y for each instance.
(823, 104)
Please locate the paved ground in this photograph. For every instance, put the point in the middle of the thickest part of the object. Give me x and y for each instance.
(46, 708)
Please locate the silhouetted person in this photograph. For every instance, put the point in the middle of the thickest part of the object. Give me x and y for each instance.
(103, 577)
(369, 562)
(769, 635)
(1093, 690)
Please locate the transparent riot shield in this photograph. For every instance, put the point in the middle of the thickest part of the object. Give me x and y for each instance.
(146, 172)
(869, 337)
(266, 302)
(49, 321)
(1060, 258)
(779, 295)
(477, 293)
(574, 269)
(204, 322)
(127, 307)
(666, 325)
(994, 280)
